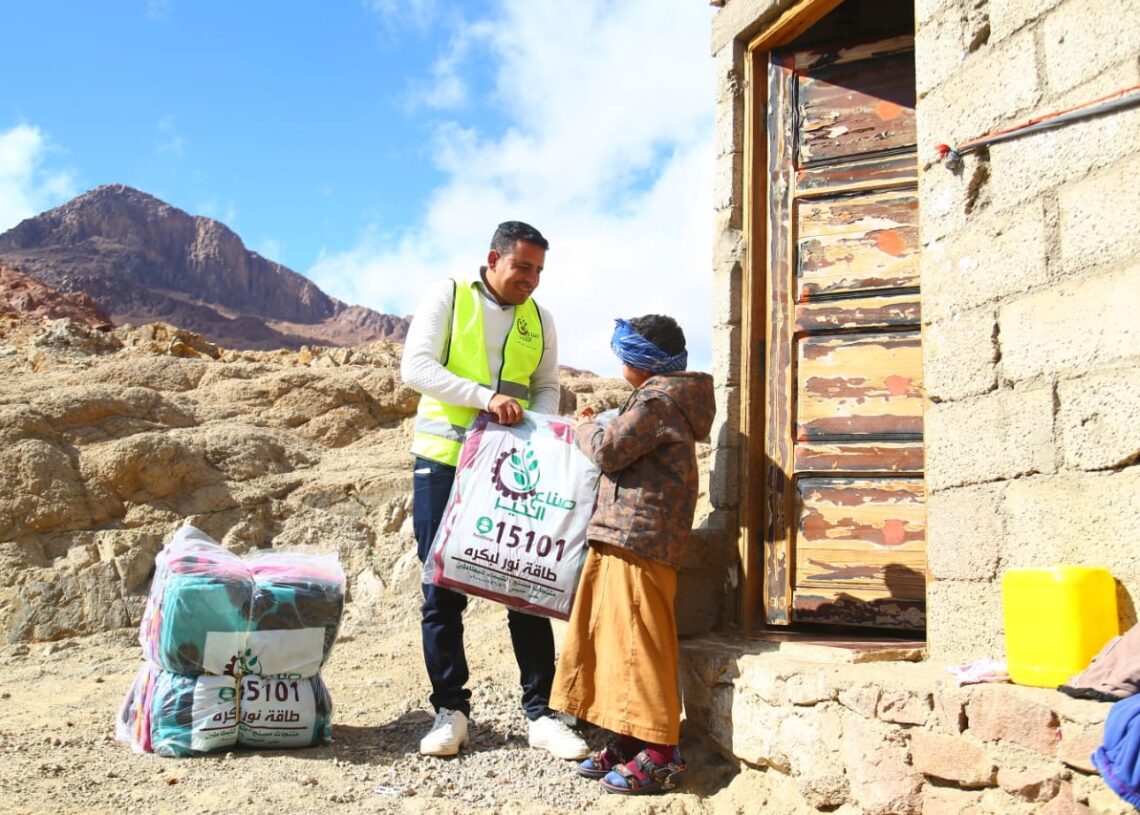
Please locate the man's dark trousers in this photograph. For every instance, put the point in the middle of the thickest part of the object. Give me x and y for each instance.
(442, 614)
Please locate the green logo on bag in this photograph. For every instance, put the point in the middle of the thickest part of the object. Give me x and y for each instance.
(484, 525)
(516, 473)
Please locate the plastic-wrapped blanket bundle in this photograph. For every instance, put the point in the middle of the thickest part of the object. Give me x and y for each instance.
(174, 715)
(514, 527)
(211, 612)
(233, 648)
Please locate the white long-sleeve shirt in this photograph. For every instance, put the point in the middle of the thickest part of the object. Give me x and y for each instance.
(421, 367)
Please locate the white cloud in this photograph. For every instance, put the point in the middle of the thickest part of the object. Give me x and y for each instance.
(406, 13)
(169, 141)
(26, 186)
(270, 249)
(159, 10)
(448, 85)
(603, 141)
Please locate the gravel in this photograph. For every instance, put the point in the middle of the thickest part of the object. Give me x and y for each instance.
(58, 753)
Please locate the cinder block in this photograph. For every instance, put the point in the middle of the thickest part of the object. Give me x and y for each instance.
(1085, 518)
(1099, 217)
(963, 621)
(724, 478)
(1083, 37)
(939, 47)
(964, 532)
(741, 19)
(728, 172)
(1000, 435)
(927, 10)
(728, 272)
(1072, 328)
(728, 130)
(728, 134)
(1124, 74)
(991, 90)
(1023, 169)
(959, 355)
(1007, 17)
(996, 254)
(726, 424)
(726, 353)
(1098, 419)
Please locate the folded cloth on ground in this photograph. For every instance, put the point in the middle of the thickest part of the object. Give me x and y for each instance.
(174, 715)
(1114, 672)
(982, 670)
(210, 612)
(1118, 758)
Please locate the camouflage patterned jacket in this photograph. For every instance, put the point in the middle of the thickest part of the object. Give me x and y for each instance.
(647, 454)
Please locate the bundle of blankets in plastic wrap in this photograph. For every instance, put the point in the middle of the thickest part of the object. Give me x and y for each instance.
(233, 650)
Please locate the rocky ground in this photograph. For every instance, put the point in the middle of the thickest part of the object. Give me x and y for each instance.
(58, 703)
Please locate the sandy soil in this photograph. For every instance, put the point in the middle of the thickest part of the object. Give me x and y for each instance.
(58, 702)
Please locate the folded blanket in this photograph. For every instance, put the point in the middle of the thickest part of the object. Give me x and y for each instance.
(1114, 672)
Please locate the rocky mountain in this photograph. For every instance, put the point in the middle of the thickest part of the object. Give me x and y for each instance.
(24, 297)
(142, 260)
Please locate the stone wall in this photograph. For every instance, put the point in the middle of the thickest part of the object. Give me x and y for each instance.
(831, 733)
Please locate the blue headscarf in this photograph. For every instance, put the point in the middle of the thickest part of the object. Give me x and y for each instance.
(637, 352)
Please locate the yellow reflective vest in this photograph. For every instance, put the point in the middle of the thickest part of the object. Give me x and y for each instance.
(440, 427)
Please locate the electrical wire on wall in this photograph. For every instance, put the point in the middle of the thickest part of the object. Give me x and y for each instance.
(1118, 100)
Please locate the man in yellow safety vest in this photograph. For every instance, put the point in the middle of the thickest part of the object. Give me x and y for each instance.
(480, 344)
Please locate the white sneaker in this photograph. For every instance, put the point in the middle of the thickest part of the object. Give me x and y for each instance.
(550, 734)
(447, 735)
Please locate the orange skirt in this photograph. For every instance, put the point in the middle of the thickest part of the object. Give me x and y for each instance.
(620, 657)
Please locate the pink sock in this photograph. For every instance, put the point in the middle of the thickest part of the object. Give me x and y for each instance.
(661, 754)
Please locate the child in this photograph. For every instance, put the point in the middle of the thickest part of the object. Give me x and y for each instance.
(619, 660)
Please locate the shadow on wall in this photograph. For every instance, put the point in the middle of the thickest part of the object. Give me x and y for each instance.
(1125, 607)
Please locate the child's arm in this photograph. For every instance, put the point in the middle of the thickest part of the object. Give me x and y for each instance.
(624, 440)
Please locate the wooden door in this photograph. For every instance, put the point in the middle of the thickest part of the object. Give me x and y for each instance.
(843, 498)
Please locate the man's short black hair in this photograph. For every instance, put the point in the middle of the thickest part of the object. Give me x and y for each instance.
(503, 241)
(662, 331)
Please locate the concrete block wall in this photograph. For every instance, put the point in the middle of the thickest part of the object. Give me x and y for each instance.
(1031, 279)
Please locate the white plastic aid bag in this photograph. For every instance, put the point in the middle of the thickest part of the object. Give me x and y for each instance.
(514, 527)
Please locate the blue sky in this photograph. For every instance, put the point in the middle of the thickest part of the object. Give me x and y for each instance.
(373, 145)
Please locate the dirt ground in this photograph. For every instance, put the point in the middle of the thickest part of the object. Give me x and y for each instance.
(58, 702)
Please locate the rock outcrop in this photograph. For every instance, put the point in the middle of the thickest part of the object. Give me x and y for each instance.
(109, 440)
(143, 260)
(23, 297)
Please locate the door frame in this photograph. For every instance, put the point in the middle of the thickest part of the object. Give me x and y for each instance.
(785, 28)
